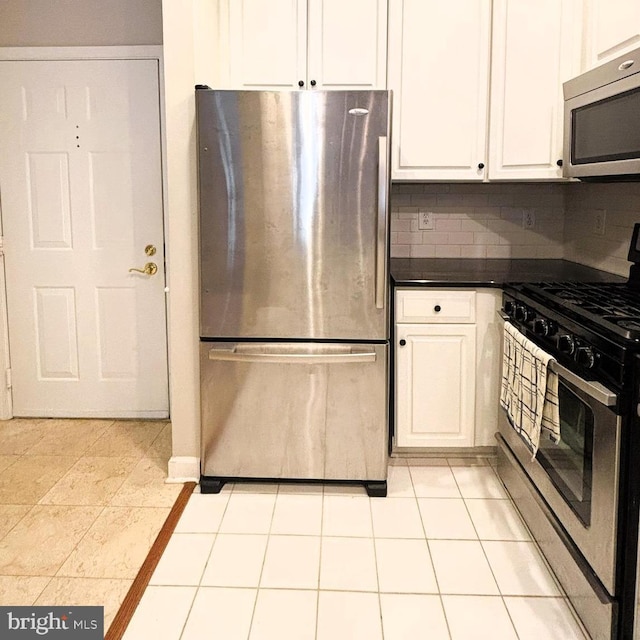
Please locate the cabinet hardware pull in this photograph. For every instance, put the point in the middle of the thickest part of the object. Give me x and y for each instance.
(559, 162)
(301, 83)
(481, 165)
(403, 342)
(313, 83)
(437, 308)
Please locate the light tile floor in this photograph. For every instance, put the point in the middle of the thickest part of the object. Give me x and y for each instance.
(444, 556)
(81, 502)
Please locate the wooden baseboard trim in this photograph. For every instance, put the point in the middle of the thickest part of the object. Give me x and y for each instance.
(136, 590)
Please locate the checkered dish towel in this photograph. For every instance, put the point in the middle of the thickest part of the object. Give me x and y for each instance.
(529, 392)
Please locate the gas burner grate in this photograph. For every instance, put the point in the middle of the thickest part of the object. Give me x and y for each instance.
(614, 307)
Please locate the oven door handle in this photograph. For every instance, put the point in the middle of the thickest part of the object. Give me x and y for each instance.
(594, 390)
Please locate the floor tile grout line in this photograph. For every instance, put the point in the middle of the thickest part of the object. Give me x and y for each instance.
(6, 533)
(315, 632)
(57, 573)
(264, 559)
(433, 567)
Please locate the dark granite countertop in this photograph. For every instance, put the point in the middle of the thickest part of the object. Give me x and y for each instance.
(471, 272)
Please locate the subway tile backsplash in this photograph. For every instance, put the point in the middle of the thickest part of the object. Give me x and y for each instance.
(478, 220)
(486, 221)
(583, 203)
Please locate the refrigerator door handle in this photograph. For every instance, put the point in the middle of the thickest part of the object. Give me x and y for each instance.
(290, 354)
(381, 227)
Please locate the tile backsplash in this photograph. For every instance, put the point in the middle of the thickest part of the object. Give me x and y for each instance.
(478, 220)
(486, 221)
(608, 250)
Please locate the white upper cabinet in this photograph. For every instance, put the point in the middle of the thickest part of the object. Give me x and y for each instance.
(441, 55)
(535, 48)
(267, 43)
(439, 73)
(282, 44)
(347, 44)
(612, 29)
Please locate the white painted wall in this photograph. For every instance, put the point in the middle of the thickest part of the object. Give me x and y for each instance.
(181, 216)
(63, 23)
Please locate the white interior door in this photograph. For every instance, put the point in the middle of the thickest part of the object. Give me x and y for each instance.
(81, 198)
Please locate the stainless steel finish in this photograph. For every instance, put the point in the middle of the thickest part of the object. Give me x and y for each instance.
(292, 244)
(597, 543)
(291, 353)
(594, 390)
(295, 419)
(602, 75)
(597, 84)
(589, 599)
(383, 206)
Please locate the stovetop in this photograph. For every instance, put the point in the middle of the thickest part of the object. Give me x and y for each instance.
(613, 309)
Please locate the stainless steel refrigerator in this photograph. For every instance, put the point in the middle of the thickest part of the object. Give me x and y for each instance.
(294, 303)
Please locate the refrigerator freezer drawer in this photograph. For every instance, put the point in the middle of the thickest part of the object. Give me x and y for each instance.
(294, 410)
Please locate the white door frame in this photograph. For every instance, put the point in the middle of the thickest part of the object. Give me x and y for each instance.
(134, 52)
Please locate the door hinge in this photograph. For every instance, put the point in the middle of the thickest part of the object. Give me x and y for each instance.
(8, 377)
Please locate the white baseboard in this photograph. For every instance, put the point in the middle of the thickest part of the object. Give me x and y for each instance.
(183, 469)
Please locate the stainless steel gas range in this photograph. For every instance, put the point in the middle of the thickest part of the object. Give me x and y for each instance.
(580, 496)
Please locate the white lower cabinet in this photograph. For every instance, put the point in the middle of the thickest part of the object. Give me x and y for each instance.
(447, 366)
(435, 379)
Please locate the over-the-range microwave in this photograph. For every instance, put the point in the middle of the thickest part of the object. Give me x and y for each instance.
(602, 122)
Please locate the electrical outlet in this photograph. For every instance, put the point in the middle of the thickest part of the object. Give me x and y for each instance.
(599, 221)
(425, 220)
(528, 218)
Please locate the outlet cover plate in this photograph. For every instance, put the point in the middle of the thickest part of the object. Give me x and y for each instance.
(425, 220)
(528, 218)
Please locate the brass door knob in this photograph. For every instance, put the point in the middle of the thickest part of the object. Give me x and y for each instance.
(150, 250)
(149, 269)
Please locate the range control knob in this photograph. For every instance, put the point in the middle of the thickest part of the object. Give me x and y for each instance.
(541, 327)
(544, 327)
(508, 307)
(566, 344)
(586, 357)
(522, 313)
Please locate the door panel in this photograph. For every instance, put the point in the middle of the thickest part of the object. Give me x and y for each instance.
(289, 214)
(294, 410)
(347, 44)
(267, 43)
(439, 73)
(81, 186)
(435, 385)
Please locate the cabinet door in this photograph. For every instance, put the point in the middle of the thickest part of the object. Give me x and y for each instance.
(439, 72)
(435, 385)
(347, 44)
(613, 28)
(535, 48)
(266, 43)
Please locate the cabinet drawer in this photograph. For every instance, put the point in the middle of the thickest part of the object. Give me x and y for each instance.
(436, 305)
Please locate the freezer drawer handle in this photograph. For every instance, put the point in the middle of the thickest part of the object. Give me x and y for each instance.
(381, 239)
(257, 354)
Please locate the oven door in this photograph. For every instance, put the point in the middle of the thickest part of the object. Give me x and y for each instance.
(578, 477)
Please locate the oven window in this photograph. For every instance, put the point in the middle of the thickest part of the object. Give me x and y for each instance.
(569, 463)
(607, 130)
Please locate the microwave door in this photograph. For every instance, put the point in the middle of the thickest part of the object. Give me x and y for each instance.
(602, 130)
